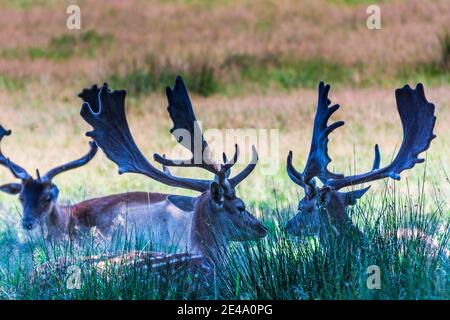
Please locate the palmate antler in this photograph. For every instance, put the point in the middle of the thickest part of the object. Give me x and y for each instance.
(104, 110)
(418, 120)
(318, 159)
(417, 116)
(21, 173)
(183, 118)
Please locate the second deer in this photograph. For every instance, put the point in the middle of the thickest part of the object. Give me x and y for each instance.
(325, 208)
(218, 215)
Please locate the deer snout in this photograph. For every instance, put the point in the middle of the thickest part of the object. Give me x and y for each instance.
(28, 224)
(262, 231)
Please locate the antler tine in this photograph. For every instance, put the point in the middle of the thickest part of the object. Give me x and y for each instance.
(184, 163)
(15, 169)
(224, 170)
(377, 159)
(318, 158)
(295, 176)
(73, 164)
(183, 118)
(225, 160)
(227, 165)
(104, 110)
(418, 120)
(183, 181)
(224, 157)
(247, 170)
(167, 171)
(165, 168)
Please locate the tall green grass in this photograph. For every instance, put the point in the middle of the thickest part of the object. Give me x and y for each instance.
(280, 266)
(287, 267)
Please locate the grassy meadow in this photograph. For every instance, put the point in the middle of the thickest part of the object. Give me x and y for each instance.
(248, 65)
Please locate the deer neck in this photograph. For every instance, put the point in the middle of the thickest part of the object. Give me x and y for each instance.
(58, 220)
(206, 238)
(338, 220)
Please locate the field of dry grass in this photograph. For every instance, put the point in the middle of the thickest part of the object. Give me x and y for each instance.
(228, 36)
(252, 52)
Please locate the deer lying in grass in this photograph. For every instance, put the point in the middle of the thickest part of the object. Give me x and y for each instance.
(325, 207)
(219, 216)
(39, 197)
(39, 200)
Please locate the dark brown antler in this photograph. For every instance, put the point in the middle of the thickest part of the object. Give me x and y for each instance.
(104, 110)
(73, 164)
(186, 130)
(188, 133)
(247, 170)
(318, 159)
(418, 120)
(20, 173)
(16, 170)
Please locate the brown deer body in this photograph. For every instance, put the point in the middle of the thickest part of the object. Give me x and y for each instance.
(325, 208)
(219, 216)
(152, 216)
(166, 218)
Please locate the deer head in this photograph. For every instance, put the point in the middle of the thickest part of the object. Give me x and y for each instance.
(220, 208)
(326, 206)
(38, 196)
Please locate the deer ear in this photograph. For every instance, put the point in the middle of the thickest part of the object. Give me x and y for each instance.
(11, 188)
(352, 196)
(217, 195)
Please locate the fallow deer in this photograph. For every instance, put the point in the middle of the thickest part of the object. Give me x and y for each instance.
(39, 196)
(39, 200)
(219, 216)
(325, 208)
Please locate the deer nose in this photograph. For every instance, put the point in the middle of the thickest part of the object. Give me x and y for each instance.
(263, 230)
(27, 225)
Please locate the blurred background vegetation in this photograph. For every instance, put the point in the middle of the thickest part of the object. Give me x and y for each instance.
(247, 64)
